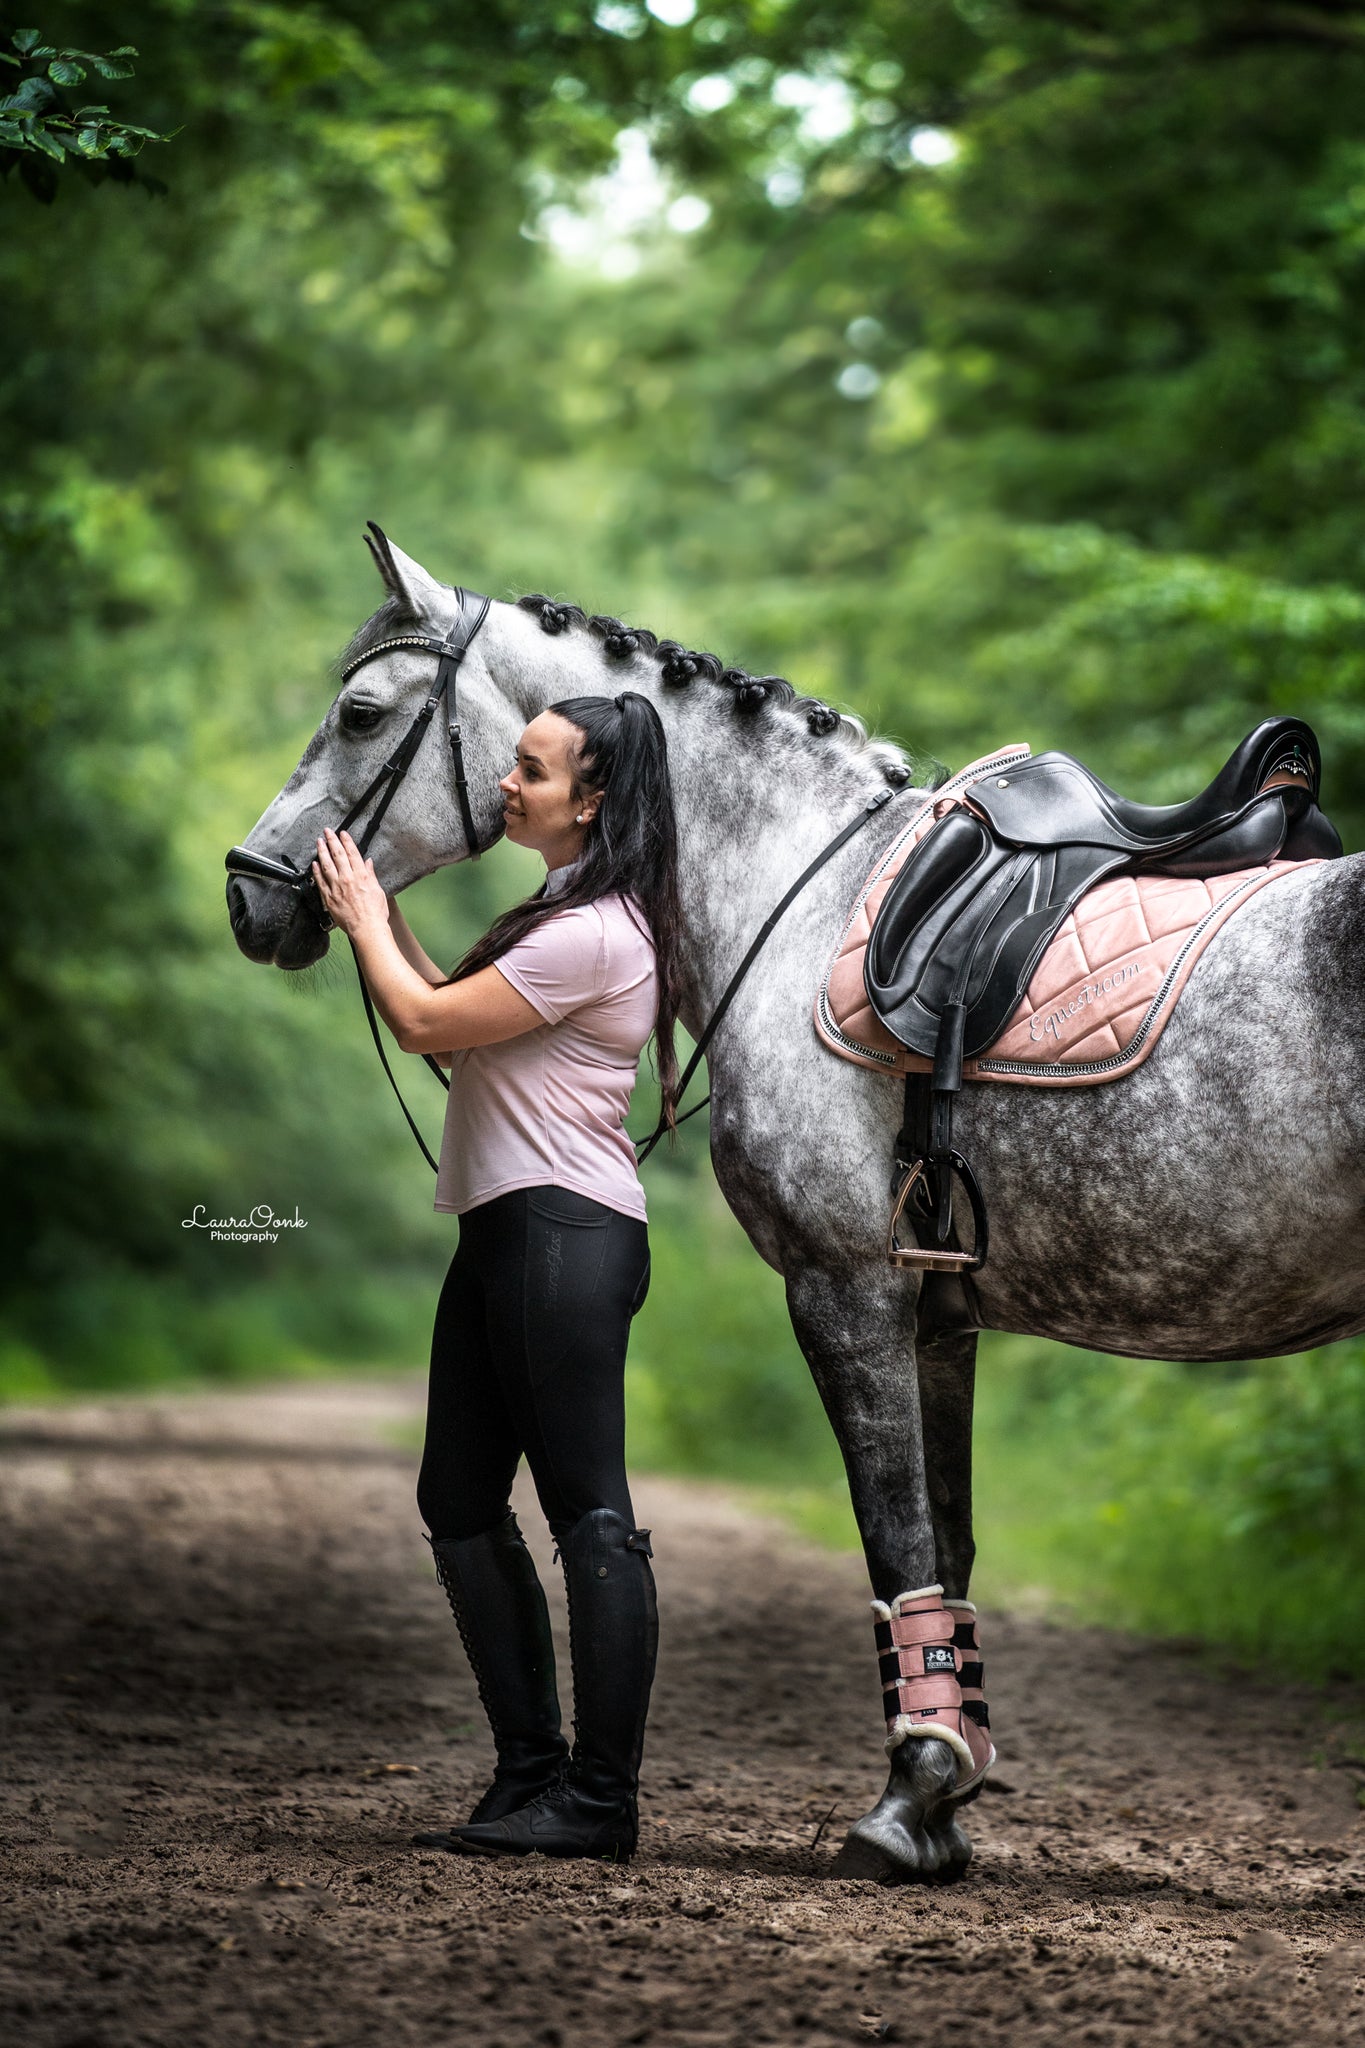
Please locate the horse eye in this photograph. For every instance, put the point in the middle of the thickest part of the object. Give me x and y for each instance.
(360, 717)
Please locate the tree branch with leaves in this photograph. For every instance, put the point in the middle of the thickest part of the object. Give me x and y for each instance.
(42, 127)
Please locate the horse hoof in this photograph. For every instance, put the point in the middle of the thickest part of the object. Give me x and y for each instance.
(957, 1854)
(865, 1859)
(890, 1854)
(912, 1835)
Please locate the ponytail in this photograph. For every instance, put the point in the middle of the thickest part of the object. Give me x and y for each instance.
(630, 849)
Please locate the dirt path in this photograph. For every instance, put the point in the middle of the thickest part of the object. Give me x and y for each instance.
(232, 1690)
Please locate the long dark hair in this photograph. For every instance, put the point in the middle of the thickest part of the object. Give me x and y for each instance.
(630, 849)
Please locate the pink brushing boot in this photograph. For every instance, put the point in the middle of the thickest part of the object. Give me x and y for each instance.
(971, 1679)
(931, 1679)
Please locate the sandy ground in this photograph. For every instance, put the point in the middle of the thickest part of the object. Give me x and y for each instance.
(232, 1689)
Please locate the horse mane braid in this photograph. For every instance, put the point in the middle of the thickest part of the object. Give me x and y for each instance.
(681, 666)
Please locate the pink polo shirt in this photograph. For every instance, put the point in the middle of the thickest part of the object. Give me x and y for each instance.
(549, 1107)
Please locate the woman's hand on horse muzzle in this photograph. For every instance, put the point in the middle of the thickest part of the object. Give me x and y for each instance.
(346, 883)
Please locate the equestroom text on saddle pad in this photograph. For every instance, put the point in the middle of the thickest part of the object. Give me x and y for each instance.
(1100, 996)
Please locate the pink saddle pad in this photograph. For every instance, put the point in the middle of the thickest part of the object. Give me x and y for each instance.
(1100, 996)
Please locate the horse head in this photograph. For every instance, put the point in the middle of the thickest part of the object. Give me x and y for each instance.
(367, 761)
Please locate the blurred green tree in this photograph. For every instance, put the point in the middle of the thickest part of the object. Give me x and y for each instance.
(990, 366)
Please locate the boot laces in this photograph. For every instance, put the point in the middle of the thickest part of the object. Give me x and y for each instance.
(557, 1795)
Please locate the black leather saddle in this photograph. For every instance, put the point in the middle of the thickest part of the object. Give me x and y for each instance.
(972, 911)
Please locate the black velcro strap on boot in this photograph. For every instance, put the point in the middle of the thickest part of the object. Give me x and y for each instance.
(613, 1641)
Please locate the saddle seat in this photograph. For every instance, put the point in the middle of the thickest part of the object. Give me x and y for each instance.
(977, 901)
(1055, 800)
(1013, 846)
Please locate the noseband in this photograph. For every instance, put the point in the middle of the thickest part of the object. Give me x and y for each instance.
(450, 652)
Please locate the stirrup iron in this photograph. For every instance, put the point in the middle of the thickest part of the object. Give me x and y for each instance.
(938, 1258)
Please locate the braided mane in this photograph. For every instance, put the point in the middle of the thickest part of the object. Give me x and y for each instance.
(680, 666)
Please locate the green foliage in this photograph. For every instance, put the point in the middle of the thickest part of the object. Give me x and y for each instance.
(725, 1393)
(1186, 1500)
(1013, 388)
(40, 128)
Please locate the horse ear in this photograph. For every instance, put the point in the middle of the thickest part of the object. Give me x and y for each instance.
(420, 595)
(377, 541)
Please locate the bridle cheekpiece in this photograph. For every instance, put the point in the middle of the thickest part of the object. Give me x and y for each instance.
(450, 652)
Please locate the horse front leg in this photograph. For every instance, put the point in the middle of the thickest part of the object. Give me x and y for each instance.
(947, 1390)
(856, 1330)
(946, 1369)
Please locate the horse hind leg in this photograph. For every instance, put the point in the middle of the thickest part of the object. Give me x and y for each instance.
(856, 1331)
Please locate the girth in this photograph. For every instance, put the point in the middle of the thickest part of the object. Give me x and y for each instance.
(982, 895)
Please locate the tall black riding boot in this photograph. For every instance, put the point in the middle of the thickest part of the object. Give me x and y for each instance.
(499, 1606)
(614, 1637)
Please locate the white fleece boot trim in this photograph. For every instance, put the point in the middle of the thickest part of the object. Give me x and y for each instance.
(967, 1606)
(904, 1728)
(885, 1613)
(904, 1600)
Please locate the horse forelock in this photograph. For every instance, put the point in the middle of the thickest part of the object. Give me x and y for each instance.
(810, 719)
(392, 617)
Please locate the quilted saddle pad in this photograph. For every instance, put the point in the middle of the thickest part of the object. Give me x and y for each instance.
(1100, 996)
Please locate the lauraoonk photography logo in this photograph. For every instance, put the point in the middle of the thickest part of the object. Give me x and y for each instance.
(260, 1226)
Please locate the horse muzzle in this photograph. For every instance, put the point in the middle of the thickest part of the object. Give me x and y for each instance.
(272, 927)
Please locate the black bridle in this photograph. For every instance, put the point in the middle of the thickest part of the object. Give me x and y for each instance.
(259, 867)
(450, 652)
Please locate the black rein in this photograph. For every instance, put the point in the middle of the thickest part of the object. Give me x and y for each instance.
(854, 825)
(450, 652)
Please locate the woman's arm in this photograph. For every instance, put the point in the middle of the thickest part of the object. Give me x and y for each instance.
(483, 1010)
(410, 946)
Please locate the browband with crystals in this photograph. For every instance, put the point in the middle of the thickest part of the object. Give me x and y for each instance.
(417, 640)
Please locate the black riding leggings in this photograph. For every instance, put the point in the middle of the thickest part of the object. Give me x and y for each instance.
(528, 1356)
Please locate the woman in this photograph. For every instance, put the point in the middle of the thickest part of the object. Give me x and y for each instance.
(543, 1023)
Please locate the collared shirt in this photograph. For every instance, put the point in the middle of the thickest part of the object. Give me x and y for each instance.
(560, 878)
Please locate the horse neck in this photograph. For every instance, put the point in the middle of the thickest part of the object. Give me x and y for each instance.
(755, 800)
(750, 819)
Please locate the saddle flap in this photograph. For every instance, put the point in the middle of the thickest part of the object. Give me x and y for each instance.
(939, 883)
(965, 922)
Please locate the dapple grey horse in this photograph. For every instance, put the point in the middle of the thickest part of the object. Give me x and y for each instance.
(1209, 1206)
